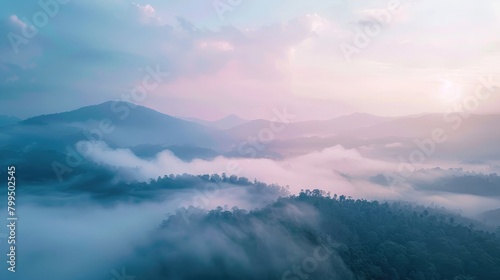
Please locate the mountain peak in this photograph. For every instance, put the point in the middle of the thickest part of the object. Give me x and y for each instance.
(231, 117)
(131, 124)
(114, 103)
(113, 110)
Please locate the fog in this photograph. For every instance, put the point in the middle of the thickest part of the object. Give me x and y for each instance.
(335, 169)
(92, 226)
(89, 240)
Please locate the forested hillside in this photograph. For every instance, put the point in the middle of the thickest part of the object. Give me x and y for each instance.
(365, 240)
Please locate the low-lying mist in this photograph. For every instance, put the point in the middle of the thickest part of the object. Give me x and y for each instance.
(335, 169)
(105, 221)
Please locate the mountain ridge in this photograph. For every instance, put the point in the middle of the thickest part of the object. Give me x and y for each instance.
(224, 123)
(123, 123)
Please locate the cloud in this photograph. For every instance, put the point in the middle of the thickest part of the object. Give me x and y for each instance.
(100, 63)
(249, 63)
(246, 246)
(334, 169)
(129, 235)
(146, 14)
(61, 231)
(217, 45)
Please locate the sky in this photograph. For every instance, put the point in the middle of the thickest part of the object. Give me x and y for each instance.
(318, 58)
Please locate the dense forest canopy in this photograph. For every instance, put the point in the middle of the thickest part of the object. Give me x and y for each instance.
(314, 235)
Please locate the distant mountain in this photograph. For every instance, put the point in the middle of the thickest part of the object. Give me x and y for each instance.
(7, 120)
(249, 129)
(490, 217)
(366, 126)
(323, 128)
(422, 125)
(341, 124)
(224, 123)
(474, 138)
(132, 125)
(229, 122)
(406, 126)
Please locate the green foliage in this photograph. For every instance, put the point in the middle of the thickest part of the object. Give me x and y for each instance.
(400, 241)
(369, 240)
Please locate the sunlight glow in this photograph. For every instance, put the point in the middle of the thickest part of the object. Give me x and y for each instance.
(450, 92)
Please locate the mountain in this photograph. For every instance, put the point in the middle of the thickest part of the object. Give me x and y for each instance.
(338, 125)
(7, 120)
(366, 126)
(120, 124)
(316, 128)
(474, 137)
(360, 239)
(422, 125)
(227, 122)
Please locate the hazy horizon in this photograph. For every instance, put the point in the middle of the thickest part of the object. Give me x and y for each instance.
(193, 117)
(321, 59)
